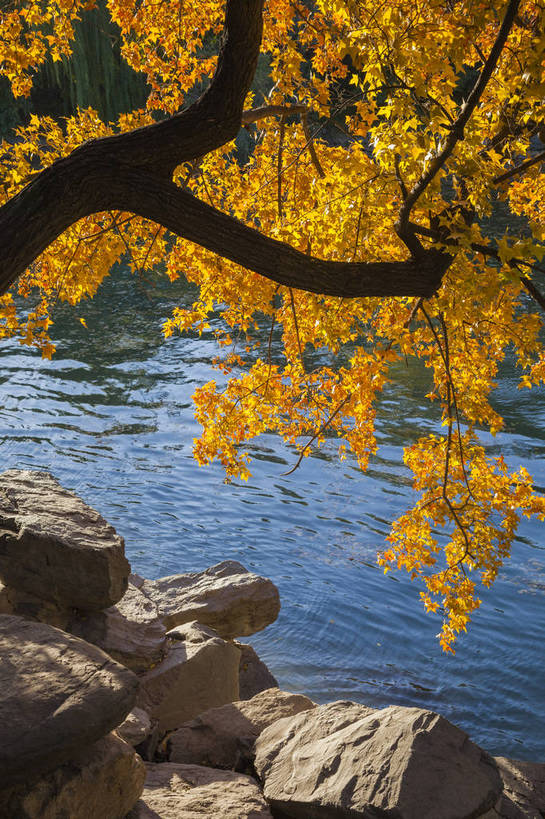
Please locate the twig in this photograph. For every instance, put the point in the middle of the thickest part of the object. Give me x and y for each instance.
(255, 114)
(311, 148)
(519, 168)
(296, 325)
(279, 168)
(322, 429)
(457, 129)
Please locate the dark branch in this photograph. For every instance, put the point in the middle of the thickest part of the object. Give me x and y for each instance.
(457, 128)
(132, 172)
(518, 169)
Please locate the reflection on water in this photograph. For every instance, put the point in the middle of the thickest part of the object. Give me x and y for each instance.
(110, 416)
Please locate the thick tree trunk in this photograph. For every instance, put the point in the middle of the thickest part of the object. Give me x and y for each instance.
(133, 172)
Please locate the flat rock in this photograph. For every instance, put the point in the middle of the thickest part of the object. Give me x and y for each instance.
(225, 737)
(226, 597)
(254, 676)
(189, 791)
(57, 695)
(344, 759)
(104, 780)
(130, 632)
(54, 546)
(523, 794)
(200, 671)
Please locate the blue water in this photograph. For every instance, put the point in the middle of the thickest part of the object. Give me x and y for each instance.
(111, 418)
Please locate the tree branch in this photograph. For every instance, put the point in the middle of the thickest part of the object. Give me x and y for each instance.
(255, 114)
(519, 168)
(457, 128)
(132, 172)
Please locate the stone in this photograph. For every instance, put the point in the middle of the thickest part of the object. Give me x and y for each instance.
(57, 695)
(193, 792)
(54, 546)
(343, 759)
(135, 728)
(226, 597)
(254, 676)
(200, 671)
(103, 780)
(130, 632)
(148, 748)
(14, 601)
(523, 790)
(225, 737)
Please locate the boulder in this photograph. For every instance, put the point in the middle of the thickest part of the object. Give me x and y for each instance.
(254, 676)
(14, 601)
(54, 546)
(189, 791)
(130, 632)
(343, 759)
(199, 672)
(135, 728)
(58, 694)
(226, 597)
(523, 790)
(225, 737)
(103, 780)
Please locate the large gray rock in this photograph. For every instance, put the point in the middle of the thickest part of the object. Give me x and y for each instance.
(523, 790)
(130, 632)
(189, 791)
(54, 546)
(226, 597)
(104, 780)
(344, 759)
(254, 675)
(57, 695)
(225, 737)
(199, 672)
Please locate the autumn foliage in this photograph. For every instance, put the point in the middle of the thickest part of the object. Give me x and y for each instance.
(364, 144)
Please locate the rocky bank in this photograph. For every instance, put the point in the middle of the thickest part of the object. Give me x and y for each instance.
(126, 697)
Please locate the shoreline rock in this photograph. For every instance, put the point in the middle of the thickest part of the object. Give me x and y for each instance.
(71, 715)
(226, 597)
(177, 791)
(225, 737)
(57, 694)
(54, 546)
(199, 671)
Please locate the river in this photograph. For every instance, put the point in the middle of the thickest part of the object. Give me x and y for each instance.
(111, 418)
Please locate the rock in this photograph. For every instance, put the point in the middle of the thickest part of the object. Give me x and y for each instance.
(344, 759)
(226, 597)
(254, 676)
(135, 728)
(57, 695)
(54, 546)
(104, 780)
(14, 601)
(189, 791)
(523, 790)
(130, 632)
(225, 737)
(199, 672)
(148, 748)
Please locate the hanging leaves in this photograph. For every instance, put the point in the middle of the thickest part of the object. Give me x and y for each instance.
(372, 131)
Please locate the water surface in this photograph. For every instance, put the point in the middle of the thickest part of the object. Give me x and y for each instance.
(111, 418)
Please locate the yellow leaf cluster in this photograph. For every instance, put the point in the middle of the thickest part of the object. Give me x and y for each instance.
(382, 85)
